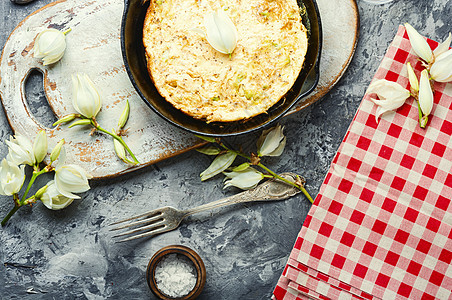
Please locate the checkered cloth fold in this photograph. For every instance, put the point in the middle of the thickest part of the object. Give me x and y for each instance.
(381, 225)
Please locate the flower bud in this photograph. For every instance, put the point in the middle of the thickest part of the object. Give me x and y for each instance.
(219, 164)
(65, 119)
(245, 179)
(50, 45)
(419, 44)
(425, 94)
(441, 70)
(124, 116)
(119, 149)
(271, 142)
(414, 83)
(40, 192)
(80, 123)
(12, 178)
(220, 31)
(56, 151)
(40, 146)
(86, 100)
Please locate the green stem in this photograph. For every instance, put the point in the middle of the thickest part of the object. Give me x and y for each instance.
(17, 205)
(234, 151)
(116, 137)
(300, 187)
(23, 201)
(30, 200)
(420, 113)
(32, 180)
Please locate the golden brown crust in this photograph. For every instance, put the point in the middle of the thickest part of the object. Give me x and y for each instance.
(206, 84)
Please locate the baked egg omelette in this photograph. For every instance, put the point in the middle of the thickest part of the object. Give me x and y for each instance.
(206, 84)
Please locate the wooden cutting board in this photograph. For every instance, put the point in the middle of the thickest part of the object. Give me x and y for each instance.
(93, 47)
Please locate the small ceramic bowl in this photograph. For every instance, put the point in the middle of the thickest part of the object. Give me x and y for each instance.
(190, 255)
(135, 63)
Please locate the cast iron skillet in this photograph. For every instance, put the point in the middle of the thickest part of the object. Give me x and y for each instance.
(135, 62)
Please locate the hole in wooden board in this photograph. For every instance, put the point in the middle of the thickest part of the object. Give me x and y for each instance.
(37, 100)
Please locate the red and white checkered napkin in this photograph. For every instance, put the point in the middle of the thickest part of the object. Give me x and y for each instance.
(381, 226)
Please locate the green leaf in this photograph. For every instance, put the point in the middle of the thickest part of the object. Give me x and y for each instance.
(241, 167)
(65, 119)
(80, 122)
(209, 150)
(207, 138)
(219, 164)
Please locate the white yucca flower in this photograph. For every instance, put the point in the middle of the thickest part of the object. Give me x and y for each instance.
(86, 100)
(12, 178)
(391, 95)
(220, 31)
(50, 45)
(53, 199)
(70, 178)
(243, 179)
(271, 142)
(20, 150)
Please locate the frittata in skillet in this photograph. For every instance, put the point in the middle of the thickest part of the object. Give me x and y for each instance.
(206, 84)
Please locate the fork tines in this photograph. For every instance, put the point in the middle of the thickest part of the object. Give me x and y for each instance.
(147, 224)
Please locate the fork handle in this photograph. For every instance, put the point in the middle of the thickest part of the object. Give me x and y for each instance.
(271, 190)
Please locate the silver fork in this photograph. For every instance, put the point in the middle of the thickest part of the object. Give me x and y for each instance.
(168, 218)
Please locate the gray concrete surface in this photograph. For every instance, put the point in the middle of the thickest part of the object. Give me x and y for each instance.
(69, 254)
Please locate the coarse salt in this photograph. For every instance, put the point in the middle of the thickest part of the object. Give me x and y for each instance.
(175, 275)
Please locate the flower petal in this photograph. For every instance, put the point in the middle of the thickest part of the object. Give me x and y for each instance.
(219, 164)
(386, 89)
(443, 47)
(389, 104)
(419, 44)
(280, 149)
(441, 70)
(71, 179)
(272, 140)
(52, 199)
(20, 150)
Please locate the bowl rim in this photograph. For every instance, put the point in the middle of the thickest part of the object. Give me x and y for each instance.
(314, 69)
